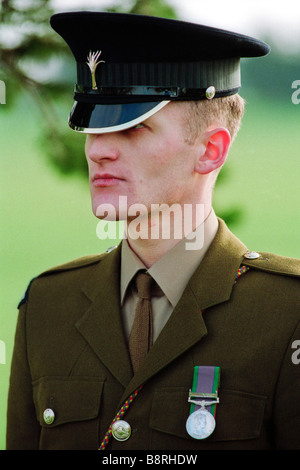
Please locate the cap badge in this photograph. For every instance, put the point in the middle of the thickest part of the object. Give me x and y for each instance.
(92, 59)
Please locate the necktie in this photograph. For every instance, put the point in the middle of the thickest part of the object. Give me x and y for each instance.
(140, 340)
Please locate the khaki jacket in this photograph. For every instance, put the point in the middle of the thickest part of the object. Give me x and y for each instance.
(71, 356)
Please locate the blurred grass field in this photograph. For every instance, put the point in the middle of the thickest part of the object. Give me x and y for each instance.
(46, 218)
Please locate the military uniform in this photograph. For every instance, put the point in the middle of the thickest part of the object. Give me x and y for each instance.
(71, 356)
(71, 369)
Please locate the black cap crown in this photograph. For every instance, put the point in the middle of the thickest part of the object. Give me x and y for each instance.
(130, 66)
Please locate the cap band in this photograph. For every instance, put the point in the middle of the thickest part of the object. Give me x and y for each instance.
(171, 79)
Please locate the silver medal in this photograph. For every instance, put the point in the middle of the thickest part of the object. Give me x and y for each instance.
(201, 423)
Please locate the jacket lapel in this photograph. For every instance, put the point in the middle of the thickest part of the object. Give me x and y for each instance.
(214, 279)
(101, 324)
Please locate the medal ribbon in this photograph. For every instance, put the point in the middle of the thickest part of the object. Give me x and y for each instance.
(206, 382)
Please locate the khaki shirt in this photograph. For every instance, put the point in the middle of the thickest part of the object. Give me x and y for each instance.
(178, 260)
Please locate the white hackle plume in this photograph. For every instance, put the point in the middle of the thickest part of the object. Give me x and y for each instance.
(92, 62)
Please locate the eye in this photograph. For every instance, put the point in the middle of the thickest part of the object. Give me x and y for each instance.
(138, 126)
(132, 129)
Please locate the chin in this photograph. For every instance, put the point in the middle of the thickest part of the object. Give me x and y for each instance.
(111, 207)
(108, 211)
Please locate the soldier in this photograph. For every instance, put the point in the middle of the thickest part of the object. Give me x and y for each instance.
(166, 342)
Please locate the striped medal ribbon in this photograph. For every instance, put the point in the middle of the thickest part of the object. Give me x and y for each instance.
(204, 399)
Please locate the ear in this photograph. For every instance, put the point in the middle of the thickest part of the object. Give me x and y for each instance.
(216, 145)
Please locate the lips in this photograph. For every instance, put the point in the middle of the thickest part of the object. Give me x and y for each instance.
(105, 179)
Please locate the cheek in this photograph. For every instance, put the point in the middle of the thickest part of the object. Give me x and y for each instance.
(176, 163)
(162, 158)
(167, 174)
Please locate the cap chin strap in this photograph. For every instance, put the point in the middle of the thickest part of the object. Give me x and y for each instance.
(119, 127)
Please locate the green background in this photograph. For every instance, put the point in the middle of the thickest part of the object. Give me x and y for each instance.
(46, 217)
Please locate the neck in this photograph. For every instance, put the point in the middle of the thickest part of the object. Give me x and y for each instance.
(152, 237)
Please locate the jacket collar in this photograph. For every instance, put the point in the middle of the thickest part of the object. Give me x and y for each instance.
(101, 324)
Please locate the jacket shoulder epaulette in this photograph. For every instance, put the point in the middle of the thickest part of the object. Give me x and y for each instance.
(272, 263)
(74, 264)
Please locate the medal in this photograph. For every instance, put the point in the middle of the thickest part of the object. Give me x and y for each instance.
(201, 422)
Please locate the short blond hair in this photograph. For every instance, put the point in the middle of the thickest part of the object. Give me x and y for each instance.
(224, 112)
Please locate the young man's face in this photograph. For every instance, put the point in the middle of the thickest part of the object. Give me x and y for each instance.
(151, 163)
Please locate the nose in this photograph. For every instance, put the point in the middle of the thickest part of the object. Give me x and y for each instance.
(99, 147)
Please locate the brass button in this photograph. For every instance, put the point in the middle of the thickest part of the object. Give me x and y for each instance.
(251, 255)
(48, 416)
(121, 430)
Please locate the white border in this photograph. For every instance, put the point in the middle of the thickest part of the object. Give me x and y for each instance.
(120, 127)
